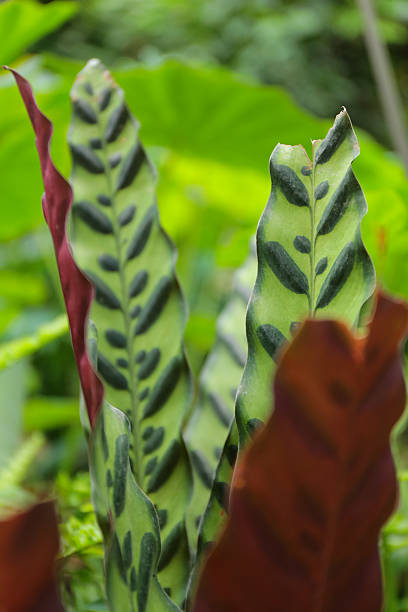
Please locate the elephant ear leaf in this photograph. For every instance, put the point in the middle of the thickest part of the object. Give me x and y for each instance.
(311, 262)
(208, 426)
(139, 312)
(316, 485)
(133, 525)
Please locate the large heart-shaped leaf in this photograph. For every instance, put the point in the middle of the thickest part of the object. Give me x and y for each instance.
(311, 262)
(313, 490)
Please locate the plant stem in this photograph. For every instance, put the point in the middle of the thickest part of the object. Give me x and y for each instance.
(385, 80)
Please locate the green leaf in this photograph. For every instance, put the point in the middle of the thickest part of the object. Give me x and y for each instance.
(332, 279)
(132, 552)
(138, 311)
(13, 497)
(288, 286)
(23, 22)
(45, 413)
(211, 418)
(12, 395)
(17, 349)
(20, 462)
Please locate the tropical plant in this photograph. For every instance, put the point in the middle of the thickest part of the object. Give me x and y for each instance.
(311, 262)
(117, 267)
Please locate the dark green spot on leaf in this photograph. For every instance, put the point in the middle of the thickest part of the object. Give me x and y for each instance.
(116, 123)
(285, 269)
(202, 468)
(337, 276)
(289, 183)
(222, 410)
(321, 190)
(334, 138)
(146, 561)
(109, 263)
(86, 158)
(115, 338)
(154, 305)
(162, 515)
(170, 545)
(126, 216)
(95, 143)
(302, 244)
(321, 266)
(93, 217)
(144, 393)
(84, 111)
(142, 234)
(130, 167)
(271, 339)
(122, 363)
(105, 98)
(103, 294)
(138, 283)
(164, 387)
(111, 374)
(154, 441)
(127, 550)
(120, 473)
(104, 200)
(165, 467)
(252, 425)
(150, 465)
(149, 364)
(114, 160)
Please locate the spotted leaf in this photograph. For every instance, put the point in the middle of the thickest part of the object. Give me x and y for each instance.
(128, 520)
(139, 312)
(311, 262)
(332, 277)
(211, 418)
(139, 359)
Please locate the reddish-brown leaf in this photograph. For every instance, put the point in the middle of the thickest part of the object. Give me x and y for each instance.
(313, 490)
(77, 290)
(29, 544)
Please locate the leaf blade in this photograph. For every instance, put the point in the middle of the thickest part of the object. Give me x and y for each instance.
(139, 313)
(293, 283)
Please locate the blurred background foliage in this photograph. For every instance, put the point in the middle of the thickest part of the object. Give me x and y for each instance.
(215, 84)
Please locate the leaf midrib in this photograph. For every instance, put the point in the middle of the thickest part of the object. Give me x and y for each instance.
(137, 464)
(313, 239)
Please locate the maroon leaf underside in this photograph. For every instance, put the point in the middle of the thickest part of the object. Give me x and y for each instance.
(77, 290)
(29, 544)
(314, 489)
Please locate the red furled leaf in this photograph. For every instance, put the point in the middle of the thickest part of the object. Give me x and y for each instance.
(29, 544)
(313, 490)
(77, 290)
